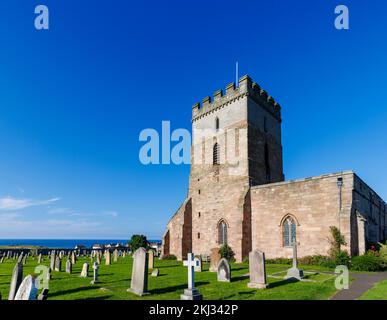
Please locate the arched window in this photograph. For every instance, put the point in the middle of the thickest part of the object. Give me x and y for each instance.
(267, 163)
(216, 154)
(222, 232)
(289, 232)
(217, 123)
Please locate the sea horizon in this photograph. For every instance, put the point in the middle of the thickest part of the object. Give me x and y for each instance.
(62, 243)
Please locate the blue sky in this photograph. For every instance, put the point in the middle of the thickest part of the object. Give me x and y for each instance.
(73, 100)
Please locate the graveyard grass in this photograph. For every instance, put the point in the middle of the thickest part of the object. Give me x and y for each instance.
(115, 280)
(378, 292)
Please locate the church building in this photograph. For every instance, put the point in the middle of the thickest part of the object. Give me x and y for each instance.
(238, 194)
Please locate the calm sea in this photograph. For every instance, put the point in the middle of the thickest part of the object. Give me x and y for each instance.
(60, 243)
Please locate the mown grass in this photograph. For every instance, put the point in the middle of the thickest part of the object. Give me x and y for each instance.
(115, 280)
(377, 292)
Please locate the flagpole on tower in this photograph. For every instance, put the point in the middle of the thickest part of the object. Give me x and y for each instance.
(236, 74)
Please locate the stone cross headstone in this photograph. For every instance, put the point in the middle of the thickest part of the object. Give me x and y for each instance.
(198, 265)
(27, 289)
(17, 277)
(151, 258)
(95, 273)
(58, 264)
(191, 293)
(85, 270)
(257, 270)
(139, 280)
(107, 258)
(224, 270)
(214, 259)
(294, 272)
(69, 266)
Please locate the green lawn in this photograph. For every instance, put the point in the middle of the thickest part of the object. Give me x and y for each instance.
(378, 292)
(115, 280)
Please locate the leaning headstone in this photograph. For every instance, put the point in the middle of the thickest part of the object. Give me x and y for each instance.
(139, 280)
(85, 270)
(151, 258)
(95, 273)
(224, 270)
(191, 293)
(2, 259)
(69, 266)
(58, 264)
(294, 272)
(214, 259)
(155, 272)
(27, 289)
(24, 260)
(257, 270)
(198, 265)
(17, 277)
(20, 258)
(43, 294)
(107, 258)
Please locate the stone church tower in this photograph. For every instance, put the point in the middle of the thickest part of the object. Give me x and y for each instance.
(237, 193)
(236, 143)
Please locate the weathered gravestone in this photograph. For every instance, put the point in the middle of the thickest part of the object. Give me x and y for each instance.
(98, 258)
(294, 272)
(58, 264)
(191, 293)
(151, 258)
(115, 255)
(17, 277)
(69, 266)
(95, 273)
(85, 270)
(2, 259)
(214, 259)
(73, 258)
(139, 281)
(155, 272)
(257, 270)
(198, 264)
(52, 260)
(27, 289)
(40, 258)
(224, 270)
(20, 258)
(107, 258)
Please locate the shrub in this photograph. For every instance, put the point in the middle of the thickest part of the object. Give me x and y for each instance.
(342, 258)
(367, 262)
(279, 261)
(336, 241)
(169, 257)
(313, 260)
(138, 241)
(226, 252)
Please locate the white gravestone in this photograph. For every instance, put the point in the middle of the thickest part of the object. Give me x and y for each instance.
(224, 271)
(191, 293)
(27, 289)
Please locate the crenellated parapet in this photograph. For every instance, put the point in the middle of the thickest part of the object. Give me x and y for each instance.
(246, 87)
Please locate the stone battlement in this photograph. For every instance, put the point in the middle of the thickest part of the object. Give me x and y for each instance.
(246, 87)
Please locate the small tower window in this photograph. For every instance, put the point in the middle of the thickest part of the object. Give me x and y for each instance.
(216, 154)
(217, 123)
(198, 235)
(199, 214)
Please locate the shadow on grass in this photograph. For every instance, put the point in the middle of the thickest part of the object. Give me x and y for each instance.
(97, 298)
(75, 290)
(239, 278)
(281, 283)
(175, 288)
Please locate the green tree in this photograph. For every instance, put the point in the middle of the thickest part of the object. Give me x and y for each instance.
(138, 241)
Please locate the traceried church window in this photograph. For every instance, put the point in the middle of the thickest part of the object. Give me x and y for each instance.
(216, 154)
(222, 233)
(289, 232)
